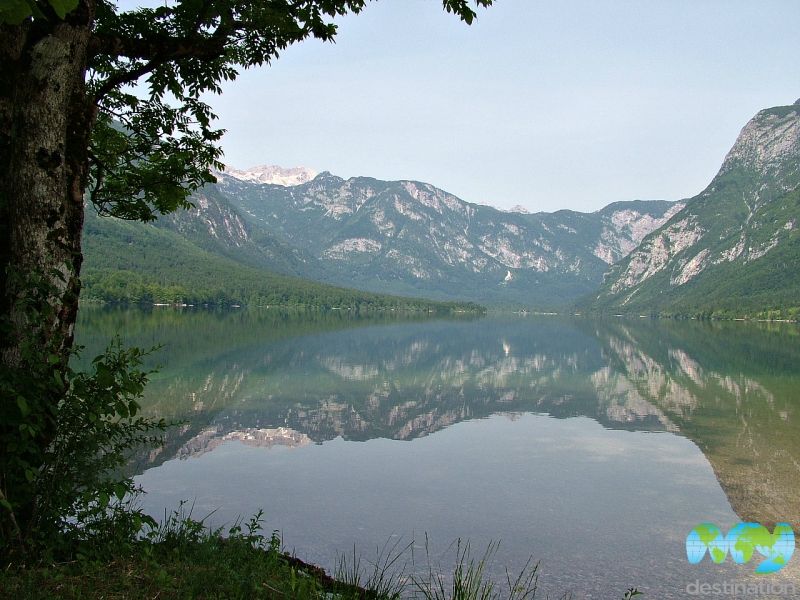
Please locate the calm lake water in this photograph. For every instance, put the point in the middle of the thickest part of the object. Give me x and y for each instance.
(592, 446)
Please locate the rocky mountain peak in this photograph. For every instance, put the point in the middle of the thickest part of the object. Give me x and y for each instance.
(734, 244)
(768, 139)
(273, 174)
(326, 177)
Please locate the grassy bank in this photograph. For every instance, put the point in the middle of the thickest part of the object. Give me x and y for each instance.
(200, 564)
(182, 558)
(216, 568)
(201, 570)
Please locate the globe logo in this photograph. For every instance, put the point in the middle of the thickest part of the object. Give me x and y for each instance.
(741, 543)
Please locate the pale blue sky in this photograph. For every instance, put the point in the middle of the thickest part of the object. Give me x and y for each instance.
(558, 104)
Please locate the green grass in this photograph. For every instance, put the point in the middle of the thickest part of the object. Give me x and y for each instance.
(223, 568)
(469, 580)
(212, 569)
(183, 559)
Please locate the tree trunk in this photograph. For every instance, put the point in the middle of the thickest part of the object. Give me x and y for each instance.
(46, 119)
(45, 126)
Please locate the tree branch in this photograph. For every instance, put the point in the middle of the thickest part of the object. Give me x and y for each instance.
(123, 77)
(158, 47)
(100, 175)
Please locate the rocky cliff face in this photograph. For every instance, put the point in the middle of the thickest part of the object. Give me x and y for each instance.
(212, 218)
(214, 224)
(734, 246)
(413, 238)
(768, 144)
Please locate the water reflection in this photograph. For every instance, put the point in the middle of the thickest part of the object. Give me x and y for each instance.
(733, 390)
(270, 379)
(589, 444)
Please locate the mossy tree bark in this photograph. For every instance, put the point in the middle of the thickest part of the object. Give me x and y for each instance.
(46, 119)
(45, 122)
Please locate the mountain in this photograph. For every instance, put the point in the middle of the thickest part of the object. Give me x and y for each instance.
(412, 238)
(155, 263)
(735, 248)
(216, 226)
(274, 174)
(391, 237)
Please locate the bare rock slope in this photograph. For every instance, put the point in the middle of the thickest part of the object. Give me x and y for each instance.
(734, 248)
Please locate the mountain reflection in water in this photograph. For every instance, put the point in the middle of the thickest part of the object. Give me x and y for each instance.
(270, 379)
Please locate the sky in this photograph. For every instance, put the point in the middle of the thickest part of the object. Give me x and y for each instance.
(548, 105)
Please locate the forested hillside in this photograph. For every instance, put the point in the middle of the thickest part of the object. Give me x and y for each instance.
(135, 262)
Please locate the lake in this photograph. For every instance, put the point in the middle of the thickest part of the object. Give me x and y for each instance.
(592, 446)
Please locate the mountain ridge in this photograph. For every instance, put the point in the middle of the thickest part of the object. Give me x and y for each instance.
(733, 248)
(272, 174)
(153, 264)
(411, 237)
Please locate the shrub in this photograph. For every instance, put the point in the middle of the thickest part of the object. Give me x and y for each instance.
(64, 436)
